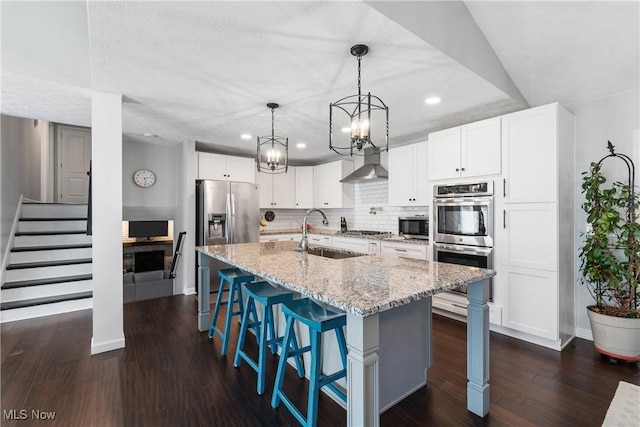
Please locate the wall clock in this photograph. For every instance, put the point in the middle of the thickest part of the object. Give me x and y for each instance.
(144, 178)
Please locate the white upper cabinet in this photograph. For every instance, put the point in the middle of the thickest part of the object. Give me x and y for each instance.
(444, 154)
(328, 191)
(226, 168)
(465, 151)
(530, 155)
(304, 187)
(480, 148)
(408, 178)
(278, 191)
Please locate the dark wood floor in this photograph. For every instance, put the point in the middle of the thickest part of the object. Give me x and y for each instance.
(169, 374)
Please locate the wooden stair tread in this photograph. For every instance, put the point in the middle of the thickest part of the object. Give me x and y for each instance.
(49, 233)
(50, 247)
(66, 218)
(53, 204)
(45, 300)
(48, 263)
(47, 281)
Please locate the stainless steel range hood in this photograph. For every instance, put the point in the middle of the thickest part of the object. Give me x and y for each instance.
(371, 168)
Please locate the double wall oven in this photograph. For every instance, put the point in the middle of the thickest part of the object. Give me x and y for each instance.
(463, 226)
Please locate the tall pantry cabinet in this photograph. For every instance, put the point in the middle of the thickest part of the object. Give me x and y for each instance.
(534, 224)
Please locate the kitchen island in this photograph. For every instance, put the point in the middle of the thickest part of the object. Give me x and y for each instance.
(375, 292)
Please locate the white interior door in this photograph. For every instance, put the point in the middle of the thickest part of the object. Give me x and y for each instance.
(74, 155)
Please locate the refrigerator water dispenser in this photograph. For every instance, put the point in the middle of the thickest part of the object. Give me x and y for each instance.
(217, 223)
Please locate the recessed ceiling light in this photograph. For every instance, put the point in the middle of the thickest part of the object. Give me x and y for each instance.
(301, 145)
(149, 134)
(245, 136)
(433, 100)
(346, 129)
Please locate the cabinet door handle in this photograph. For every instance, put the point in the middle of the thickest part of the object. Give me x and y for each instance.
(504, 187)
(504, 218)
(457, 169)
(400, 250)
(463, 169)
(458, 305)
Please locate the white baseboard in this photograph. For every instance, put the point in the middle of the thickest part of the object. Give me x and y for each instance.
(189, 291)
(584, 334)
(106, 346)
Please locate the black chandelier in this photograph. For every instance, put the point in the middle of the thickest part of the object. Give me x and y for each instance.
(275, 150)
(359, 109)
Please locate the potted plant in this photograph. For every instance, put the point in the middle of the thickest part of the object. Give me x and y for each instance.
(610, 261)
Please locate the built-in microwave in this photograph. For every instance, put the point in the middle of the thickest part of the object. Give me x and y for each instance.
(414, 227)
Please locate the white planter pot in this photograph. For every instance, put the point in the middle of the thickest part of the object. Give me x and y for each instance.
(617, 337)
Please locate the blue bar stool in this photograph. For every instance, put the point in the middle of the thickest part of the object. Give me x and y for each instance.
(235, 277)
(319, 320)
(268, 296)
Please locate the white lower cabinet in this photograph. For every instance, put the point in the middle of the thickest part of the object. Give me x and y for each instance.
(319, 239)
(457, 303)
(531, 301)
(407, 250)
(351, 244)
(276, 237)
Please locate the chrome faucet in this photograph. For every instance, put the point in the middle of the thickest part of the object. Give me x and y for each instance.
(304, 244)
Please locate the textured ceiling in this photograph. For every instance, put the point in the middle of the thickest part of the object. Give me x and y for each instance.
(204, 71)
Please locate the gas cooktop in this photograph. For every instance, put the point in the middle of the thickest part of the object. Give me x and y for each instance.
(363, 232)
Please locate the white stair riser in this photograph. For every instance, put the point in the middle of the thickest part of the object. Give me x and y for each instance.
(47, 272)
(49, 255)
(35, 210)
(56, 289)
(56, 239)
(45, 310)
(80, 225)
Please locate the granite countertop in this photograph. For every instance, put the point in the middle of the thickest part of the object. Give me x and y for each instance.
(386, 237)
(362, 285)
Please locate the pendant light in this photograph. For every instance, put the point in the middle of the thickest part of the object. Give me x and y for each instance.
(359, 109)
(272, 154)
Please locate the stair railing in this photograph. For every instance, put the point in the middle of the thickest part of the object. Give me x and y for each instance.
(89, 206)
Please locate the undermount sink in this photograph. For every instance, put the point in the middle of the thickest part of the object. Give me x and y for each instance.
(332, 253)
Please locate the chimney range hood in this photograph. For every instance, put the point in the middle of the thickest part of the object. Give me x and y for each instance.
(371, 168)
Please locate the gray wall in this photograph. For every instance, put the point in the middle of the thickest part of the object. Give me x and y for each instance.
(161, 199)
(613, 118)
(20, 147)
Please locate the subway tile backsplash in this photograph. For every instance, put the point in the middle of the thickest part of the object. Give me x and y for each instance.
(368, 197)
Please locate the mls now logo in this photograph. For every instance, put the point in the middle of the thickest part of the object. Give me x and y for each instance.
(23, 414)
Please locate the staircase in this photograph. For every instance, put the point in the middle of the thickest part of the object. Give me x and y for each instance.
(49, 267)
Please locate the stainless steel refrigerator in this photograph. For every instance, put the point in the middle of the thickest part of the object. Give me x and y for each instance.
(226, 212)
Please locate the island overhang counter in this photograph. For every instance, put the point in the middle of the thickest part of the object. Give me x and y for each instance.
(370, 289)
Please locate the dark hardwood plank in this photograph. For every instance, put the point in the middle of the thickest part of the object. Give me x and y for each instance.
(170, 374)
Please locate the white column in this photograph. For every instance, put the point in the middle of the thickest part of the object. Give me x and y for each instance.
(362, 371)
(478, 347)
(185, 280)
(204, 298)
(106, 154)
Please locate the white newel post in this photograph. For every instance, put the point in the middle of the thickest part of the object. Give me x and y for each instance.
(478, 347)
(362, 371)
(106, 181)
(204, 320)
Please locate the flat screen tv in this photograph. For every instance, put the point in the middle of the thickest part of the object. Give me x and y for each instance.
(148, 229)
